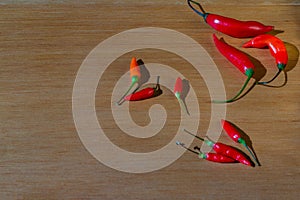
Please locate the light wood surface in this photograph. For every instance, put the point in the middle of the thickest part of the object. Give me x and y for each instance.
(42, 46)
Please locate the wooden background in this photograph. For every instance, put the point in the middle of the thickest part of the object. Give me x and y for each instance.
(42, 45)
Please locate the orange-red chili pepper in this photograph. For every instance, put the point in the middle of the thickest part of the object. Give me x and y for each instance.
(135, 75)
(239, 59)
(236, 136)
(277, 49)
(230, 26)
(213, 157)
(146, 93)
(226, 150)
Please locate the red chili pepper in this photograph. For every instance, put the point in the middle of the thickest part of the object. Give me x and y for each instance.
(277, 49)
(146, 93)
(226, 150)
(213, 157)
(238, 59)
(178, 91)
(230, 26)
(236, 136)
(232, 132)
(229, 151)
(216, 158)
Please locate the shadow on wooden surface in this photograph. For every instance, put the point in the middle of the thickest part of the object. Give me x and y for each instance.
(185, 91)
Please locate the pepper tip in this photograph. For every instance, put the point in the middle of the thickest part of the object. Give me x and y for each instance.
(247, 44)
(223, 121)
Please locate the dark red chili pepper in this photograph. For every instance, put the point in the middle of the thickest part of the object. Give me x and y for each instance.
(238, 59)
(146, 93)
(226, 150)
(236, 136)
(230, 26)
(213, 157)
(277, 49)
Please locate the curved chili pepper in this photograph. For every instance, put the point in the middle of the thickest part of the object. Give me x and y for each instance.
(238, 59)
(226, 150)
(230, 26)
(135, 75)
(277, 49)
(213, 157)
(146, 93)
(236, 136)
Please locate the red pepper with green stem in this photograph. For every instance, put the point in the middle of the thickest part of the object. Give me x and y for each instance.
(236, 136)
(178, 92)
(146, 93)
(276, 47)
(213, 157)
(226, 150)
(230, 26)
(239, 59)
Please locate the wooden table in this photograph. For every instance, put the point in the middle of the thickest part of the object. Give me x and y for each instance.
(43, 44)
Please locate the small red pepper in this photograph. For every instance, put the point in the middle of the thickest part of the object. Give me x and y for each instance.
(226, 150)
(178, 91)
(238, 59)
(146, 93)
(230, 26)
(232, 132)
(277, 49)
(213, 157)
(236, 136)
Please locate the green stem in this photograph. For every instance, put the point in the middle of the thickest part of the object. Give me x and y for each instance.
(267, 82)
(237, 95)
(253, 156)
(131, 86)
(208, 142)
(182, 104)
(181, 144)
(202, 13)
(193, 135)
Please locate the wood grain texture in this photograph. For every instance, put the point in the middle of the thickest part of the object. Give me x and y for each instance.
(41, 156)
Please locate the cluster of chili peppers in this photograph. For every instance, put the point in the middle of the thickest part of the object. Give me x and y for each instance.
(224, 153)
(238, 29)
(244, 29)
(143, 94)
(234, 28)
(149, 92)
